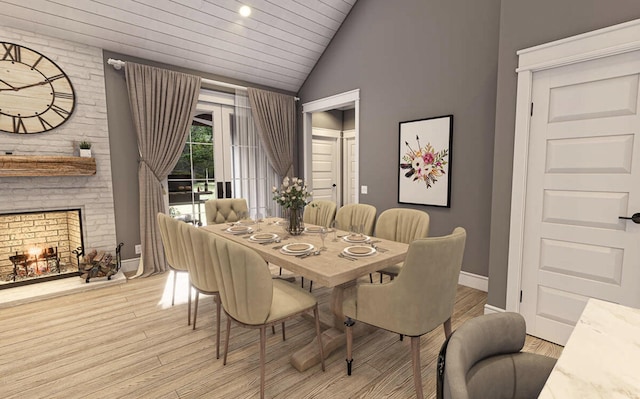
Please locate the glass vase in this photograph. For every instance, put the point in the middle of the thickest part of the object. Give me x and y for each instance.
(296, 225)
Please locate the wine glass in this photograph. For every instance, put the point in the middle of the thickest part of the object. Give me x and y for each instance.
(334, 229)
(323, 235)
(258, 220)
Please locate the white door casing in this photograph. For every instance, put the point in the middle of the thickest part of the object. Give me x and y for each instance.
(574, 174)
(349, 183)
(341, 100)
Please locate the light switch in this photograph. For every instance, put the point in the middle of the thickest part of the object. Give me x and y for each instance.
(363, 189)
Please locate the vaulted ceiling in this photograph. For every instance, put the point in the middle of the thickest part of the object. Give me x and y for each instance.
(277, 45)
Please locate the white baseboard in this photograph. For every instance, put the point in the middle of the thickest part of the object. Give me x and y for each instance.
(474, 281)
(130, 265)
(488, 309)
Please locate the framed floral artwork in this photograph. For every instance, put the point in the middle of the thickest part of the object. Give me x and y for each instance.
(424, 173)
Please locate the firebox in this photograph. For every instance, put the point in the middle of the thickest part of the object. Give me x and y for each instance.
(39, 246)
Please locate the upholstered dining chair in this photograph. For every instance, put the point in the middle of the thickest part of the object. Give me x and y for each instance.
(224, 210)
(174, 252)
(483, 359)
(402, 225)
(201, 275)
(357, 215)
(252, 299)
(321, 213)
(415, 302)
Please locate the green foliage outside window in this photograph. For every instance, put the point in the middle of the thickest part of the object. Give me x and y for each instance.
(199, 149)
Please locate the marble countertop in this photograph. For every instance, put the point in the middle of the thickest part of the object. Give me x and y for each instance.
(601, 358)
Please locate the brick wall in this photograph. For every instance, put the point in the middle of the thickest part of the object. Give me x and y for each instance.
(92, 194)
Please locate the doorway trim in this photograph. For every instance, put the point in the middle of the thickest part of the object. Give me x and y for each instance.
(613, 40)
(349, 98)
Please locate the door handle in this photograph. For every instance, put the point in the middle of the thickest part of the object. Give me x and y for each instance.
(635, 218)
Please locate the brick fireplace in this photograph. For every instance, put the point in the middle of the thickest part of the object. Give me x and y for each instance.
(38, 246)
(35, 194)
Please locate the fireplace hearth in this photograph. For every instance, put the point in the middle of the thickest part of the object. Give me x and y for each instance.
(39, 246)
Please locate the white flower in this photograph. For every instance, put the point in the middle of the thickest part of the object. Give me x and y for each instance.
(274, 189)
(285, 182)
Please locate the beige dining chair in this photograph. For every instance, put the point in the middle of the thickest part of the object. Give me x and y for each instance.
(223, 210)
(252, 299)
(417, 301)
(201, 275)
(320, 213)
(402, 225)
(357, 215)
(483, 358)
(174, 252)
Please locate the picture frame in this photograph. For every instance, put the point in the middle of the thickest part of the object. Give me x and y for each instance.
(424, 172)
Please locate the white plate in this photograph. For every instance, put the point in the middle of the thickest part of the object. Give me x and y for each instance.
(239, 230)
(281, 223)
(359, 250)
(313, 229)
(356, 238)
(263, 237)
(246, 222)
(296, 248)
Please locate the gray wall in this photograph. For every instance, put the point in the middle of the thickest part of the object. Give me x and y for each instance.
(416, 59)
(124, 147)
(331, 119)
(526, 23)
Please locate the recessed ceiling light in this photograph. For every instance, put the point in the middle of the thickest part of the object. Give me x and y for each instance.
(245, 11)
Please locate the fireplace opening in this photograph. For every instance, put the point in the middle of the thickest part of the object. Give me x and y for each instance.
(39, 246)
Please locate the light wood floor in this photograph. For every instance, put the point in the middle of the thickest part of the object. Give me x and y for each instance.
(122, 342)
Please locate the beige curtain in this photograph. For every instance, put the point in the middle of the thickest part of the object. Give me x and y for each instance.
(275, 115)
(162, 105)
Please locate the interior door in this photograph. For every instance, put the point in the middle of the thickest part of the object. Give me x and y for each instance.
(583, 173)
(325, 166)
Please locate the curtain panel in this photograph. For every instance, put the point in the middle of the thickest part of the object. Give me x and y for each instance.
(162, 105)
(275, 116)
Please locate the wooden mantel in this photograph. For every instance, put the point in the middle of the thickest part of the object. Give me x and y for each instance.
(39, 165)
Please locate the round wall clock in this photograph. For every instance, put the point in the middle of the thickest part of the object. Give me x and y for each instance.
(35, 94)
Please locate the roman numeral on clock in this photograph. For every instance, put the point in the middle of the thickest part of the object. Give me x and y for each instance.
(67, 96)
(45, 125)
(18, 124)
(11, 52)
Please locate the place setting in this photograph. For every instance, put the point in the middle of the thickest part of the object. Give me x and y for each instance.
(264, 238)
(299, 249)
(238, 229)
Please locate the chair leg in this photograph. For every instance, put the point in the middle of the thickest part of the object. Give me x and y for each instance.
(263, 344)
(310, 285)
(226, 341)
(302, 282)
(283, 335)
(189, 305)
(318, 335)
(195, 309)
(447, 328)
(380, 278)
(415, 360)
(273, 329)
(218, 306)
(348, 324)
(175, 279)
(280, 273)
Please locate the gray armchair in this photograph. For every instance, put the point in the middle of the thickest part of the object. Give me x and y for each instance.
(483, 359)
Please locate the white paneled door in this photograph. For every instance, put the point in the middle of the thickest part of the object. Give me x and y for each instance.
(325, 164)
(583, 173)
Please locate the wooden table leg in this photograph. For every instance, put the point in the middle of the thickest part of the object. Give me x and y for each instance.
(333, 338)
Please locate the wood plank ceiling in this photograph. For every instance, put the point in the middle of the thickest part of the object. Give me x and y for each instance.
(277, 45)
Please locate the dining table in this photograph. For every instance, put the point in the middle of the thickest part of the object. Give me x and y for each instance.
(344, 258)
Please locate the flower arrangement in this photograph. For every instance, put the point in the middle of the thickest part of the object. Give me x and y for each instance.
(424, 164)
(292, 193)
